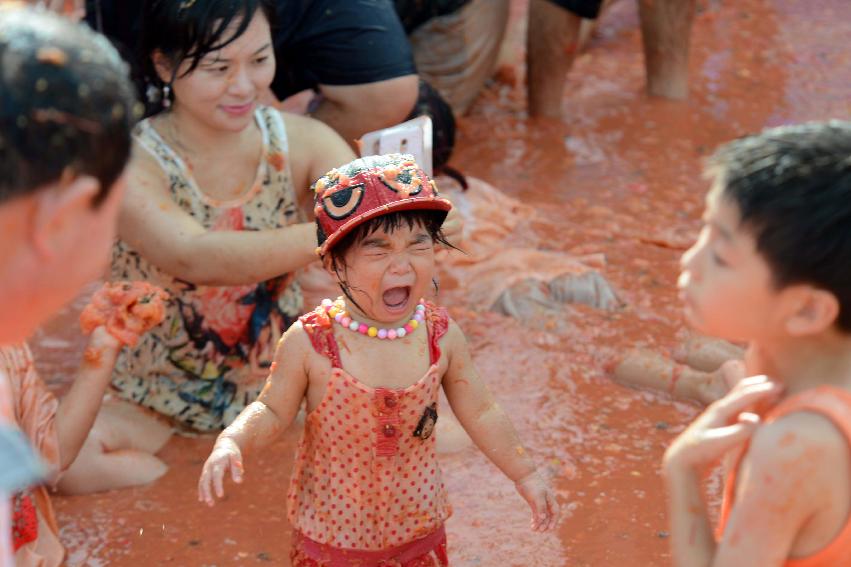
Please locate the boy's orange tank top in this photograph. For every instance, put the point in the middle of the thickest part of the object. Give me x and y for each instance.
(835, 404)
(366, 475)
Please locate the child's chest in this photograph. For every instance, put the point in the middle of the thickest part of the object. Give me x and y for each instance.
(376, 363)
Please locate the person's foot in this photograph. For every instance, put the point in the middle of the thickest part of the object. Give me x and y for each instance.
(718, 383)
(707, 354)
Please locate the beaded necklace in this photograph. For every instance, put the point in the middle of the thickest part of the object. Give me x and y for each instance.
(341, 316)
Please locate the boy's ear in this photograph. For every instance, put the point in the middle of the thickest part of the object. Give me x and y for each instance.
(816, 310)
(58, 206)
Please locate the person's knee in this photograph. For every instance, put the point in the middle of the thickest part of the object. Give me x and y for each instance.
(97, 471)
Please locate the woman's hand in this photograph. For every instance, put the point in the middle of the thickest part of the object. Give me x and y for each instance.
(226, 456)
(538, 493)
(724, 425)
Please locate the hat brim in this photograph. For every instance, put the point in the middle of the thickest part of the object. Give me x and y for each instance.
(411, 204)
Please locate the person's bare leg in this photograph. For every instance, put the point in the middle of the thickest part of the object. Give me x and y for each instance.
(354, 110)
(666, 31)
(136, 428)
(99, 471)
(648, 369)
(119, 451)
(551, 44)
(707, 353)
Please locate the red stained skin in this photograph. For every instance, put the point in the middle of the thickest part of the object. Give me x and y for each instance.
(621, 176)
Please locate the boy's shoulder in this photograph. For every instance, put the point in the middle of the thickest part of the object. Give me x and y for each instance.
(803, 434)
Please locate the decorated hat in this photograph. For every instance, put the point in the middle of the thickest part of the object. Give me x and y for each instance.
(370, 187)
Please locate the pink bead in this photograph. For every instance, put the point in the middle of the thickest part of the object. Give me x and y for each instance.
(408, 328)
(345, 321)
(339, 317)
(382, 333)
(362, 329)
(391, 334)
(419, 316)
(327, 303)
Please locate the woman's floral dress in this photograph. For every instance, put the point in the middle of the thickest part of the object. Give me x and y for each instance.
(210, 356)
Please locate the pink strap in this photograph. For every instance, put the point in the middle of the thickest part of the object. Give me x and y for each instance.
(437, 321)
(317, 324)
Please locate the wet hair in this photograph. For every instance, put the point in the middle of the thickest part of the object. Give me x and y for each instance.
(430, 220)
(67, 106)
(792, 186)
(188, 30)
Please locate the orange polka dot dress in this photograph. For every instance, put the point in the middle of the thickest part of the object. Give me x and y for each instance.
(366, 475)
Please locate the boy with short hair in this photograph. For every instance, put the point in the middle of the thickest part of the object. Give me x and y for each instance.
(66, 112)
(772, 267)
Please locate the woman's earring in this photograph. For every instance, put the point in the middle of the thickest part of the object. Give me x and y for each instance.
(166, 96)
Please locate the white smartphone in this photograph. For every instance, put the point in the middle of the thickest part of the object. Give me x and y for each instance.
(412, 137)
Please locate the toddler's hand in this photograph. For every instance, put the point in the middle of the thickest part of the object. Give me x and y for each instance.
(103, 340)
(102, 349)
(225, 456)
(538, 493)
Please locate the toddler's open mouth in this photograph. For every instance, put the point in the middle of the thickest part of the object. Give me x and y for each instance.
(396, 298)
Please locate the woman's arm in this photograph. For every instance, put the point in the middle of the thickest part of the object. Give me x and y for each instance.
(315, 149)
(154, 225)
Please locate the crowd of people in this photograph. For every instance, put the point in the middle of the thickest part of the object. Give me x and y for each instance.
(146, 136)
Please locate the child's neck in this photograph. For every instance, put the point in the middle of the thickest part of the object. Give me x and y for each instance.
(362, 317)
(804, 363)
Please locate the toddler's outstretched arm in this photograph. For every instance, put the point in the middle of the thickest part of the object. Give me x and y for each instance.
(492, 431)
(263, 420)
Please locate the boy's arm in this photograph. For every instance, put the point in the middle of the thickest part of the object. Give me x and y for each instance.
(794, 468)
(79, 407)
(263, 420)
(789, 472)
(490, 429)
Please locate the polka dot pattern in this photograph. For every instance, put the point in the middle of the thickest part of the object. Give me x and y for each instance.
(362, 479)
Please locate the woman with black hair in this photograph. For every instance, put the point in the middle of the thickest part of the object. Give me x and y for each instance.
(212, 216)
